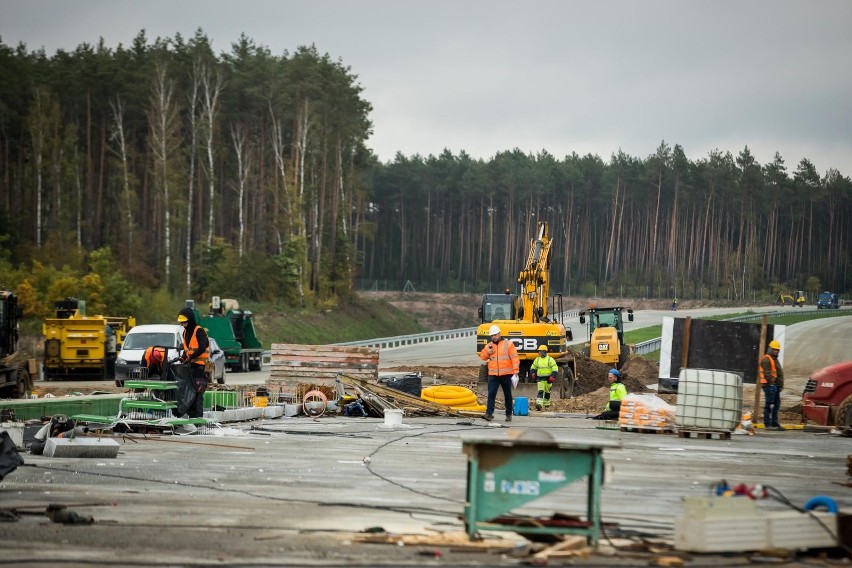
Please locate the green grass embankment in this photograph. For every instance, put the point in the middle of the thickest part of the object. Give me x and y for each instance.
(358, 319)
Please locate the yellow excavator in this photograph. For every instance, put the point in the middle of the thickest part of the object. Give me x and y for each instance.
(797, 300)
(525, 320)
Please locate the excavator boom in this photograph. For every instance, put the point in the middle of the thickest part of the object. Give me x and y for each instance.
(535, 278)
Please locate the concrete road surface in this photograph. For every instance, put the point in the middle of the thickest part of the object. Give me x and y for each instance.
(298, 491)
(295, 492)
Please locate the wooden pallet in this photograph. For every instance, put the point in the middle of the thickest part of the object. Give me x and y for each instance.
(705, 434)
(647, 429)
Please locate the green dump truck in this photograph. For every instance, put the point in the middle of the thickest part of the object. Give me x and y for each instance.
(233, 330)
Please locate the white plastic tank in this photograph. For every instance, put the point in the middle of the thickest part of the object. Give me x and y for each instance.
(709, 398)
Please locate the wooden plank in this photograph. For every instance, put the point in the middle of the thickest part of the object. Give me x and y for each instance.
(458, 540)
(291, 363)
(297, 365)
(569, 546)
(297, 349)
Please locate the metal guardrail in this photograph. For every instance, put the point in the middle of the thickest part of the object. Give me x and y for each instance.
(416, 338)
(413, 339)
(648, 346)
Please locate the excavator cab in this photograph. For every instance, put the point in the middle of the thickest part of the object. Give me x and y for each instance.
(498, 307)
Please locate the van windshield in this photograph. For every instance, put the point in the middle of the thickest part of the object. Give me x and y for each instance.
(145, 340)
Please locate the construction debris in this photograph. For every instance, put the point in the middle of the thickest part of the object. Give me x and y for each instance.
(379, 398)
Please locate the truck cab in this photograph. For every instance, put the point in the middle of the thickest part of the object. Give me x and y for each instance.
(827, 399)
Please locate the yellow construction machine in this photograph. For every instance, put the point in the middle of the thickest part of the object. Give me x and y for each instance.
(606, 334)
(524, 318)
(77, 345)
(796, 300)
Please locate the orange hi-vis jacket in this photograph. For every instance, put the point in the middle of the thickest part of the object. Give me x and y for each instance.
(193, 347)
(503, 360)
(154, 356)
(768, 373)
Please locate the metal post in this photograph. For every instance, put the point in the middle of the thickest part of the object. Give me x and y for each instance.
(761, 349)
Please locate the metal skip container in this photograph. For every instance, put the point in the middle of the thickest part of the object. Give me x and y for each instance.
(709, 398)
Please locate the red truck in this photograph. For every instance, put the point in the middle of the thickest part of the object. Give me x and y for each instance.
(827, 399)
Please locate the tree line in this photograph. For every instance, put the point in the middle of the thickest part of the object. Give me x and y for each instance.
(247, 174)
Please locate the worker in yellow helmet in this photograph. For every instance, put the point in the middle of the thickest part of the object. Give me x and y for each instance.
(771, 378)
(544, 372)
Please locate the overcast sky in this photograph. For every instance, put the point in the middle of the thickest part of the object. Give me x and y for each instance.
(562, 76)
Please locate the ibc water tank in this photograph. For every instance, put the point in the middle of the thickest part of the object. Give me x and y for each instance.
(709, 398)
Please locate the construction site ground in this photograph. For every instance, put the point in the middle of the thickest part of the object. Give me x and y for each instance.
(307, 491)
(338, 490)
(343, 491)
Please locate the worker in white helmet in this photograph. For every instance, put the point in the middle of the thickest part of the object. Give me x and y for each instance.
(503, 368)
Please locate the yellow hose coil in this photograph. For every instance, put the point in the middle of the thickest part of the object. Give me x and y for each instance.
(446, 391)
(461, 401)
(460, 398)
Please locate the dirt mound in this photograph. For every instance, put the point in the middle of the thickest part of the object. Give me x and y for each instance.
(591, 392)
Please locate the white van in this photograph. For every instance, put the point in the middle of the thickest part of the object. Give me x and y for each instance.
(139, 339)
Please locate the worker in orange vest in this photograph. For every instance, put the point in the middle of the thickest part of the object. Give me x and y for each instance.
(771, 378)
(503, 368)
(196, 353)
(153, 359)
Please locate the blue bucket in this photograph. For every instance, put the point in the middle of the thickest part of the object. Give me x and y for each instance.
(521, 406)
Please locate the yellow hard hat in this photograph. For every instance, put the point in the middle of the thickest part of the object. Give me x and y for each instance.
(542, 348)
(182, 318)
(774, 344)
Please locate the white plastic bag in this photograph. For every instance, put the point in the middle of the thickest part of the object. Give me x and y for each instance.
(515, 380)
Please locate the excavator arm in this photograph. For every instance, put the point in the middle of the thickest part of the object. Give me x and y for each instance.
(535, 278)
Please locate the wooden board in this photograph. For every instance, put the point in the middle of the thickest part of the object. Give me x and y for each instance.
(705, 434)
(457, 540)
(292, 364)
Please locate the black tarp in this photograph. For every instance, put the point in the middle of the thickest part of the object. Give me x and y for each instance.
(10, 459)
(186, 388)
(723, 345)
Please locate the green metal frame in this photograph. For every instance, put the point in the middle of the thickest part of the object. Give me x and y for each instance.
(505, 474)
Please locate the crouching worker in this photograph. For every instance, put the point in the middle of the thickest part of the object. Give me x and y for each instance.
(154, 360)
(617, 391)
(545, 372)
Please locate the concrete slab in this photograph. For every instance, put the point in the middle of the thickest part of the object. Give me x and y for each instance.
(81, 448)
(15, 431)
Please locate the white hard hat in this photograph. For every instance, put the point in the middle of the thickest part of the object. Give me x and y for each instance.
(493, 330)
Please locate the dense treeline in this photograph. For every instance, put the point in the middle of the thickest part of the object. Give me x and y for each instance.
(718, 227)
(234, 174)
(246, 174)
